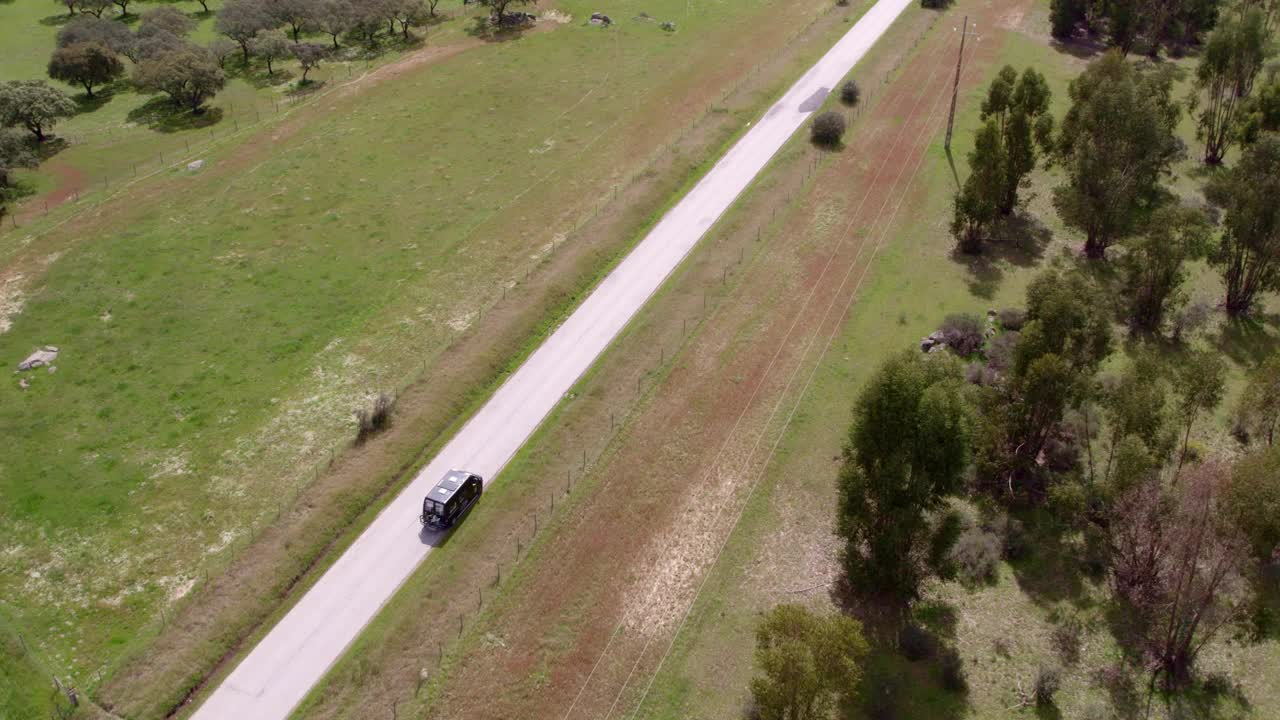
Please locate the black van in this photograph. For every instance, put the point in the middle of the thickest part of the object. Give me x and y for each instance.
(450, 498)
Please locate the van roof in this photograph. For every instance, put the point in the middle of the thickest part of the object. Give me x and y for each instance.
(448, 485)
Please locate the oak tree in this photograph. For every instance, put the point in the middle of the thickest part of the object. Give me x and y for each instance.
(270, 45)
(240, 20)
(189, 76)
(34, 105)
(308, 55)
(87, 64)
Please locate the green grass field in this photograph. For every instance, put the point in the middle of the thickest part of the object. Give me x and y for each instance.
(1004, 630)
(217, 328)
(122, 132)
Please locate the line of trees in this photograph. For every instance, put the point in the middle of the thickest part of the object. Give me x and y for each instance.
(1136, 25)
(1236, 44)
(241, 21)
(1114, 149)
(92, 48)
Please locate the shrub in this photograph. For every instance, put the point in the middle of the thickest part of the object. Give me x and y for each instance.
(916, 643)
(1191, 319)
(953, 677)
(828, 128)
(1012, 318)
(1117, 680)
(373, 419)
(1017, 544)
(850, 93)
(1000, 350)
(946, 529)
(976, 553)
(1066, 639)
(1048, 680)
(975, 373)
(962, 333)
(1068, 499)
(1060, 454)
(1217, 684)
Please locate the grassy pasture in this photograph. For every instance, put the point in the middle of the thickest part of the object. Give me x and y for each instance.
(218, 327)
(122, 132)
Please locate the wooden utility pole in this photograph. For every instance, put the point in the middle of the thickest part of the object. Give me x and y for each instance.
(955, 88)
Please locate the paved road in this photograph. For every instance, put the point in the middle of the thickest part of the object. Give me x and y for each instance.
(292, 658)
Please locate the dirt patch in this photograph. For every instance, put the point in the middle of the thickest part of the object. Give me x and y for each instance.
(71, 182)
(12, 297)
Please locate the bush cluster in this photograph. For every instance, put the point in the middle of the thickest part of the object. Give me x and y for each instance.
(374, 419)
(828, 128)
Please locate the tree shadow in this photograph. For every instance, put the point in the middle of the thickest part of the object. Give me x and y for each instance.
(1018, 240)
(1214, 696)
(482, 28)
(984, 276)
(955, 176)
(1054, 571)
(18, 188)
(881, 618)
(1117, 679)
(51, 146)
(896, 687)
(1048, 712)
(259, 78)
(86, 104)
(162, 115)
(56, 20)
(1250, 340)
(1127, 627)
(1203, 172)
(413, 42)
(1263, 622)
(1084, 47)
(302, 90)
(938, 617)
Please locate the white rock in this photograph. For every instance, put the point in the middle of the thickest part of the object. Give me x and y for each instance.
(39, 358)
